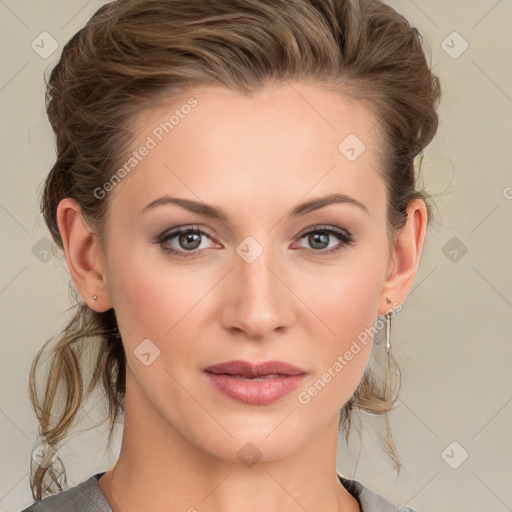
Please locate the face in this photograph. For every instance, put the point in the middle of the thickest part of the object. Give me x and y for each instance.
(265, 281)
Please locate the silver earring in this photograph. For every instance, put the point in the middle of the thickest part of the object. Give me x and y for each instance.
(388, 332)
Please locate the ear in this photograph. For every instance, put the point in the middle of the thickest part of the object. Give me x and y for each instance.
(84, 255)
(405, 257)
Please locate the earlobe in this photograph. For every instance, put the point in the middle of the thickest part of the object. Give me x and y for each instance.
(406, 255)
(84, 255)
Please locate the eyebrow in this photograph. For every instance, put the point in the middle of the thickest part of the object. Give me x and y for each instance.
(217, 213)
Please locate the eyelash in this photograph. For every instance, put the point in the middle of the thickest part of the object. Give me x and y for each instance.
(343, 236)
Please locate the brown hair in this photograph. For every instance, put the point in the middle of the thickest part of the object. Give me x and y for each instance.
(133, 52)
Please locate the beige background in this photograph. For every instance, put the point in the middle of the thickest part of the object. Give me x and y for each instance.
(452, 337)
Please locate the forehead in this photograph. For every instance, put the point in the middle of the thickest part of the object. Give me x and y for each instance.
(283, 141)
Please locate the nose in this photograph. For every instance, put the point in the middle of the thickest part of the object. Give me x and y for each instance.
(258, 301)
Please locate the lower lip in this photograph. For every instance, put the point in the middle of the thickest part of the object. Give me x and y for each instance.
(253, 391)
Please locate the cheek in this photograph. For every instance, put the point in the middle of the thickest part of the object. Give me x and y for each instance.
(350, 310)
(347, 298)
(154, 302)
(138, 296)
(150, 299)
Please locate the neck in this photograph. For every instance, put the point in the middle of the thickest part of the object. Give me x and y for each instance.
(159, 468)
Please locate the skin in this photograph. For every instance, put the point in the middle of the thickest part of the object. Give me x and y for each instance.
(255, 158)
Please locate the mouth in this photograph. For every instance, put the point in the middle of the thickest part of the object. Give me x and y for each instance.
(254, 383)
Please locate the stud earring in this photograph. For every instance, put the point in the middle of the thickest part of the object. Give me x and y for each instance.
(95, 297)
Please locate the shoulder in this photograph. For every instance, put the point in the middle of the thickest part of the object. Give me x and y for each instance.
(84, 497)
(369, 500)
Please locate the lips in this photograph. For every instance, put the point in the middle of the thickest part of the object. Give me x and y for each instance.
(248, 370)
(254, 383)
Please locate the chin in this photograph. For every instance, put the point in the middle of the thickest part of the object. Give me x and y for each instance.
(254, 441)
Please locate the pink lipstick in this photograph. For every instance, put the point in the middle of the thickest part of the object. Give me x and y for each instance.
(255, 383)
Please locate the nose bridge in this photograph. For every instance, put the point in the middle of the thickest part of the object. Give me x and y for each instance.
(260, 300)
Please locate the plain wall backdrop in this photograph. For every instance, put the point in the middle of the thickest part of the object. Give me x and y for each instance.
(452, 338)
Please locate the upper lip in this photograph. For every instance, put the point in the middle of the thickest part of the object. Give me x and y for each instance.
(254, 369)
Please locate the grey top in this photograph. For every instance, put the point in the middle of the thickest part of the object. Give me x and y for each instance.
(87, 497)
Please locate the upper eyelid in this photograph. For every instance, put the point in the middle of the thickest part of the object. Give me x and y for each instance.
(323, 227)
(185, 227)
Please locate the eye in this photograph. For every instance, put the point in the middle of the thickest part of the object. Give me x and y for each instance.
(319, 239)
(185, 242)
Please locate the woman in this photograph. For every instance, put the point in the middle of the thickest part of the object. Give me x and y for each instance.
(235, 195)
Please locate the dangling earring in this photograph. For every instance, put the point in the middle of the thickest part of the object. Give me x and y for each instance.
(388, 332)
(388, 327)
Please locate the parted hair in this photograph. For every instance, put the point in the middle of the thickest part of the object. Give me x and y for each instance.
(132, 53)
